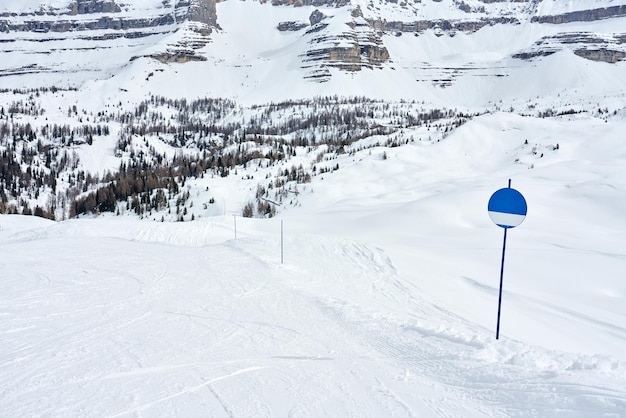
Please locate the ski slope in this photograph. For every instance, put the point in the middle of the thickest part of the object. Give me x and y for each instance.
(384, 304)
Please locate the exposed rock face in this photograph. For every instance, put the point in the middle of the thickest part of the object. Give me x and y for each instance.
(361, 46)
(316, 3)
(608, 48)
(604, 55)
(100, 23)
(180, 57)
(468, 26)
(201, 18)
(357, 47)
(476, 22)
(88, 15)
(348, 38)
(107, 14)
(81, 7)
(204, 14)
(45, 39)
(352, 58)
(583, 15)
(506, 1)
(203, 11)
(316, 17)
(291, 26)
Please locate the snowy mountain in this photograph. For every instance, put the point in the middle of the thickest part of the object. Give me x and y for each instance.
(80, 73)
(420, 45)
(267, 209)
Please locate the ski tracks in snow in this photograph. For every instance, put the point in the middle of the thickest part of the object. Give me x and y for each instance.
(226, 330)
(189, 390)
(460, 359)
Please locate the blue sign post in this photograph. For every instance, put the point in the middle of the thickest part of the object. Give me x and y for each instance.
(507, 208)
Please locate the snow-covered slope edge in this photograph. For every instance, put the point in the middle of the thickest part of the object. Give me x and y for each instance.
(385, 301)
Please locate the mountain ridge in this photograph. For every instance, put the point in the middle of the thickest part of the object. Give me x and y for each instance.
(351, 41)
(88, 112)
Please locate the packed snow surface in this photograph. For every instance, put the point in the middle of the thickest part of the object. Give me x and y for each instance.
(381, 300)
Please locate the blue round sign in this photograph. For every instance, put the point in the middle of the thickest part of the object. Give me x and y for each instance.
(507, 208)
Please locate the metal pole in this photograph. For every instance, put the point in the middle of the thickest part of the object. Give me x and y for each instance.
(281, 242)
(501, 279)
(235, 221)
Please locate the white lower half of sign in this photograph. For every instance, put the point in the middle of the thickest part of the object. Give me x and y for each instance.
(506, 220)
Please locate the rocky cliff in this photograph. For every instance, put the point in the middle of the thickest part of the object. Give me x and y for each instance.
(43, 39)
(606, 47)
(361, 46)
(583, 15)
(355, 46)
(609, 48)
(90, 15)
(69, 43)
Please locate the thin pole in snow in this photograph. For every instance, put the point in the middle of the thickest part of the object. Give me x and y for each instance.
(235, 221)
(501, 279)
(281, 243)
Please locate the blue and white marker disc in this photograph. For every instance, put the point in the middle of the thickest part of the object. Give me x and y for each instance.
(507, 208)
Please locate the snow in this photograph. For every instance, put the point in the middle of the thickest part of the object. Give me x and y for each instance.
(382, 299)
(384, 304)
(554, 7)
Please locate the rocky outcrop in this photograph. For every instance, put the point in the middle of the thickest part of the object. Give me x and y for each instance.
(200, 19)
(203, 11)
(507, 1)
(179, 57)
(350, 58)
(100, 23)
(315, 3)
(608, 48)
(76, 39)
(291, 26)
(82, 7)
(583, 15)
(602, 54)
(478, 18)
(604, 47)
(204, 14)
(534, 54)
(316, 17)
(108, 15)
(357, 47)
(419, 26)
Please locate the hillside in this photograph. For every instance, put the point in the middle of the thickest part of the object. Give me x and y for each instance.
(168, 144)
(382, 301)
(94, 87)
